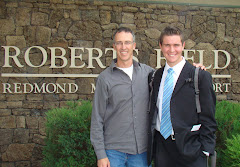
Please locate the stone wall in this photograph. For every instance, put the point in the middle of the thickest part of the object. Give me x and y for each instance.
(90, 24)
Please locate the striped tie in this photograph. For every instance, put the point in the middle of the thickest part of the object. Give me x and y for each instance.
(166, 125)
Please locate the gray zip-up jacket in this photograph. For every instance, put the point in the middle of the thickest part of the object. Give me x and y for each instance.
(119, 116)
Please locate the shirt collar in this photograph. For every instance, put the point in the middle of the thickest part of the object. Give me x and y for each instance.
(178, 67)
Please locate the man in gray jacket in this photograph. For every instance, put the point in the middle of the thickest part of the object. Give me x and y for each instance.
(120, 108)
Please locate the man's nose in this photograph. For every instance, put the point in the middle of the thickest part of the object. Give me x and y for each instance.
(124, 45)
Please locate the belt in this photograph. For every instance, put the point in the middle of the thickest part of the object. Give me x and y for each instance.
(172, 136)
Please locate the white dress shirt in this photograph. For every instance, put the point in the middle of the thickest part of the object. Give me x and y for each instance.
(177, 70)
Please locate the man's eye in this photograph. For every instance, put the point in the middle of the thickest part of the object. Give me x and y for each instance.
(118, 43)
(128, 42)
(125, 43)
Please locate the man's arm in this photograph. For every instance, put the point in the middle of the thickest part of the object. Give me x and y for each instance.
(199, 65)
(98, 111)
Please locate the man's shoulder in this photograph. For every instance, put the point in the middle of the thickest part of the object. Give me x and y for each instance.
(146, 67)
(105, 73)
(202, 73)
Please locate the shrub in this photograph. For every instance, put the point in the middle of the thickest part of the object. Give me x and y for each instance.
(232, 152)
(68, 133)
(228, 120)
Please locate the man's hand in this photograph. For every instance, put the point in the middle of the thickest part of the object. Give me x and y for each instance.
(200, 65)
(103, 162)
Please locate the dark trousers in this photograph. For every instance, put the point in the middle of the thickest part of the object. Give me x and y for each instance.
(167, 155)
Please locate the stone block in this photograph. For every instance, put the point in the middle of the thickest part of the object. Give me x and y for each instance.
(5, 112)
(19, 31)
(7, 122)
(91, 15)
(15, 97)
(37, 163)
(110, 26)
(6, 136)
(42, 121)
(18, 152)
(14, 104)
(39, 139)
(140, 16)
(2, 97)
(25, 4)
(105, 8)
(39, 19)
(207, 47)
(87, 30)
(152, 33)
(207, 37)
(43, 35)
(12, 5)
(21, 135)
(221, 30)
(168, 18)
(68, 1)
(37, 154)
(64, 26)
(21, 111)
(235, 78)
(30, 34)
(32, 132)
(42, 4)
(105, 17)
(51, 97)
(7, 27)
(68, 97)
(23, 16)
(56, 1)
(107, 34)
(146, 10)
(21, 122)
(32, 105)
(189, 44)
(32, 122)
(7, 164)
(130, 9)
(23, 164)
(128, 18)
(50, 105)
(75, 15)
(152, 6)
(212, 25)
(18, 41)
(3, 104)
(35, 97)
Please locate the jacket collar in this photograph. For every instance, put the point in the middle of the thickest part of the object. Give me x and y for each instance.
(114, 61)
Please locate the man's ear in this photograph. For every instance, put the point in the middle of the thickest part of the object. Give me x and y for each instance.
(134, 45)
(183, 45)
(160, 45)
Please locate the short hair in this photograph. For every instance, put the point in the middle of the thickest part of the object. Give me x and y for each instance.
(169, 31)
(124, 29)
